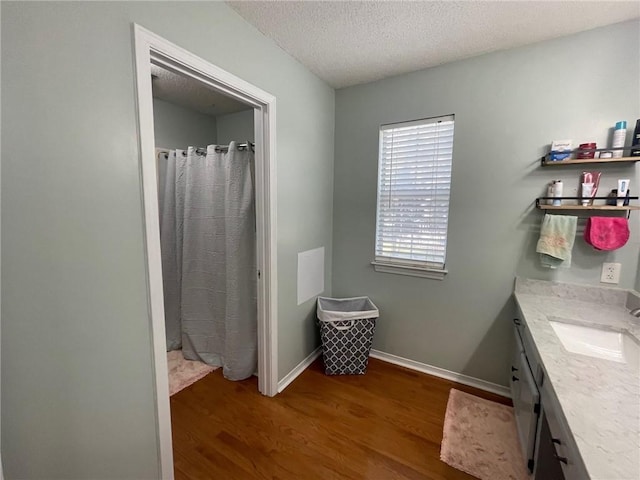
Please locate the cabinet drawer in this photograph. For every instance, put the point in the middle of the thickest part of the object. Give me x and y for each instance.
(546, 465)
(566, 451)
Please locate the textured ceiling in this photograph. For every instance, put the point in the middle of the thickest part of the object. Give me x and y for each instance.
(351, 42)
(191, 94)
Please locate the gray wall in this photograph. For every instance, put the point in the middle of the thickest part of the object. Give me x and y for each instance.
(236, 126)
(509, 106)
(179, 127)
(77, 391)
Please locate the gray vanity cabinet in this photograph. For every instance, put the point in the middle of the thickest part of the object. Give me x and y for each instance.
(526, 400)
(547, 444)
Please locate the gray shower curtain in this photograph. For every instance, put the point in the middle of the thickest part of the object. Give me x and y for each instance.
(208, 241)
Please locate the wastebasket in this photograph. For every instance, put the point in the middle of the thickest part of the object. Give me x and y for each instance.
(346, 330)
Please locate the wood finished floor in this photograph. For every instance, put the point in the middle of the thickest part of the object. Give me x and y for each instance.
(386, 424)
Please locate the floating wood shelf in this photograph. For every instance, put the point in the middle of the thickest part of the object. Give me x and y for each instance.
(614, 208)
(542, 205)
(575, 161)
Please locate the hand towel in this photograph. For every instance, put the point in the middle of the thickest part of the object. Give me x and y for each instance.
(606, 233)
(557, 235)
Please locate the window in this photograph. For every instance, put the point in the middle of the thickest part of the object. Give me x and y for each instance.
(414, 181)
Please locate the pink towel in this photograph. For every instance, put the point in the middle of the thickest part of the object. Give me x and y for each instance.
(606, 233)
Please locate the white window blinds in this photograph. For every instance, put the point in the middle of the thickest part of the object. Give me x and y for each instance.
(414, 180)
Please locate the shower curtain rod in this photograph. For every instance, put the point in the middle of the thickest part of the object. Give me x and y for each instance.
(226, 147)
(219, 148)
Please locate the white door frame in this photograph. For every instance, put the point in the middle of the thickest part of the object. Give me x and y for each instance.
(151, 47)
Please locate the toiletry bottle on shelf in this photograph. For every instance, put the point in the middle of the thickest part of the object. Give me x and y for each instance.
(557, 192)
(619, 136)
(635, 140)
(623, 191)
(550, 192)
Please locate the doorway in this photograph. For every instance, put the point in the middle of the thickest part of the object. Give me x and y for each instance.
(151, 49)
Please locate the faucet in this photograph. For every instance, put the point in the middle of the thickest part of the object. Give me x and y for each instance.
(635, 312)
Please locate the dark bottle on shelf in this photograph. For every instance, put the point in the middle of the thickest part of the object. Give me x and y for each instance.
(635, 140)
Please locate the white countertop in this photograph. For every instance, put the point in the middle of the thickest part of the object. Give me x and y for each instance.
(600, 399)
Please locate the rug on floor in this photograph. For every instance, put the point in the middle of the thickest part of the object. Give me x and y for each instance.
(183, 373)
(480, 438)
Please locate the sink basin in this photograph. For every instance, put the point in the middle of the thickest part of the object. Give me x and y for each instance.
(595, 342)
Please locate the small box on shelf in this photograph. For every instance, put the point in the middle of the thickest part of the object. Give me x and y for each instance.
(560, 150)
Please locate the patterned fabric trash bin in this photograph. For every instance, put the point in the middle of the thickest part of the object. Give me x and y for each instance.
(346, 330)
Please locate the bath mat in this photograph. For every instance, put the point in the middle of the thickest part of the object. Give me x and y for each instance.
(183, 373)
(481, 439)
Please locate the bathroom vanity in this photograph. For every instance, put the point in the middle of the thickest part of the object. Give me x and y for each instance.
(575, 381)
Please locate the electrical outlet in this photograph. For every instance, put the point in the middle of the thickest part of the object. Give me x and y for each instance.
(610, 273)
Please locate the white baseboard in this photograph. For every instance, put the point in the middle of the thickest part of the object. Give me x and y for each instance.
(406, 363)
(442, 373)
(298, 369)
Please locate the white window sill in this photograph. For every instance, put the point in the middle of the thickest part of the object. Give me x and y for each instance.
(412, 271)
